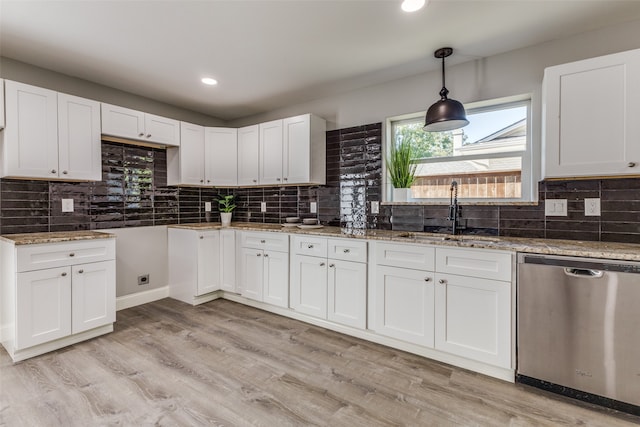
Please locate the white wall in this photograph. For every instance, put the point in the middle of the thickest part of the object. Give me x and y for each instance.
(140, 250)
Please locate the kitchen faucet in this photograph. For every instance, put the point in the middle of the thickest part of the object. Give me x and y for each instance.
(455, 210)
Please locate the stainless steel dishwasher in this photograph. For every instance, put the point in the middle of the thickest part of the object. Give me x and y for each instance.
(579, 328)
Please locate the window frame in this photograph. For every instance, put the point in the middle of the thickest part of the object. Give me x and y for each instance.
(529, 193)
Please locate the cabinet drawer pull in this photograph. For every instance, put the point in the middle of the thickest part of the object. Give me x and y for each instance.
(346, 251)
(332, 265)
(80, 271)
(427, 279)
(258, 254)
(63, 274)
(263, 241)
(310, 247)
(64, 172)
(72, 254)
(266, 255)
(632, 164)
(54, 171)
(322, 264)
(148, 135)
(442, 281)
(141, 134)
(201, 237)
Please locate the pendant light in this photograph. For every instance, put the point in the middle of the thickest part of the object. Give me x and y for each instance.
(446, 114)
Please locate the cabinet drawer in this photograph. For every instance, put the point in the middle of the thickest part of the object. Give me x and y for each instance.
(309, 245)
(417, 257)
(38, 257)
(483, 263)
(348, 250)
(268, 241)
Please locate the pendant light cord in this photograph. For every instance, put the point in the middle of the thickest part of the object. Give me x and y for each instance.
(443, 92)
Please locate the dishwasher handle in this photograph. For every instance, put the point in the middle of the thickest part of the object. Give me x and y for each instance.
(583, 273)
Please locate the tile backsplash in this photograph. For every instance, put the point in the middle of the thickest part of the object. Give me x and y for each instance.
(134, 192)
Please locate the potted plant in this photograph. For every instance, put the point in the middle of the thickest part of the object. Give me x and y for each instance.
(402, 171)
(226, 206)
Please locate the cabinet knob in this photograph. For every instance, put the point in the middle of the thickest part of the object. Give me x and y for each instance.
(310, 247)
(63, 274)
(141, 134)
(286, 179)
(65, 172)
(427, 279)
(255, 180)
(208, 180)
(258, 254)
(442, 281)
(332, 265)
(148, 135)
(202, 180)
(266, 255)
(80, 271)
(54, 171)
(322, 264)
(346, 251)
(263, 241)
(277, 179)
(201, 237)
(632, 164)
(72, 254)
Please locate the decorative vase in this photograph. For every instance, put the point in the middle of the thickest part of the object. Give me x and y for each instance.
(401, 194)
(225, 218)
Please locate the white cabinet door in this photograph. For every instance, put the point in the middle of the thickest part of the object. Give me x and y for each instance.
(43, 306)
(221, 154)
(473, 318)
(276, 278)
(228, 260)
(309, 285)
(296, 150)
(161, 130)
(251, 273)
(31, 136)
(79, 142)
(347, 293)
(271, 152)
(579, 99)
(208, 262)
(191, 154)
(93, 290)
(404, 304)
(122, 122)
(248, 155)
(2, 104)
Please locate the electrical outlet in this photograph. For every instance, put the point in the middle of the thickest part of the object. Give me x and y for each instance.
(67, 205)
(263, 206)
(313, 207)
(207, 206)
(555, 207)
(375, 207)
(143, 280)
(592, 207)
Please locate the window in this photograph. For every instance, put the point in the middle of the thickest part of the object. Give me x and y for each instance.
(489, 158)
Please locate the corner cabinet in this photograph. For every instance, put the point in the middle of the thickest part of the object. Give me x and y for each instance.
(590, 110)
(56, 294)
(50, 135)
(135, 125)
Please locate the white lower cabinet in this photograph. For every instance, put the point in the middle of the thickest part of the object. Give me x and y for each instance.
(52, 296)
(405, 304)
(331, 282)
(264, 267)
(200, 263)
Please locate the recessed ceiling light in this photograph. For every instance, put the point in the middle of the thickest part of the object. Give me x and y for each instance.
(209, 81)
(412, 5)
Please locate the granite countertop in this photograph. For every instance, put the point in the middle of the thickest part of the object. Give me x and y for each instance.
(609, 250)
(55, 237)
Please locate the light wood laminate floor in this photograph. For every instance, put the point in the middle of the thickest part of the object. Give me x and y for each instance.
(223, 363)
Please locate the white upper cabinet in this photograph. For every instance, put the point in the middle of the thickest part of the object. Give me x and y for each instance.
(590, 125)
(221, 156)
(304, 150)
(186, 164)
(248, 148)
(1, 104)
(271, 153)
(136, 125)
(50, 135)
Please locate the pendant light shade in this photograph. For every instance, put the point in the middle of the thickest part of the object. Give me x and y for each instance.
(446, 114)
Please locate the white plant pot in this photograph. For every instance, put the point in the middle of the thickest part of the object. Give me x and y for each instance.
(401, 194)
(225, 218)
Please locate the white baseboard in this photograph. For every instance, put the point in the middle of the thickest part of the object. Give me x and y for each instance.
(139, 298)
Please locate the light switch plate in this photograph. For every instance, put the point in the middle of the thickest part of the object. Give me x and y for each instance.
(207, 206)
(555, 207)
(313, 207)
(67, 205)
(375, 207)
(592, 207)
(263, 206)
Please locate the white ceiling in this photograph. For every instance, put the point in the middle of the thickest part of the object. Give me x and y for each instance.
(269, 54)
